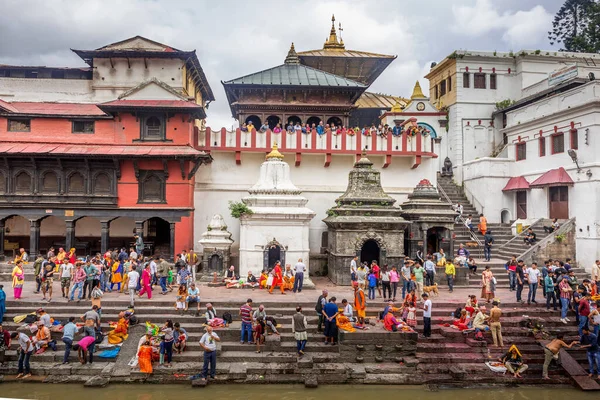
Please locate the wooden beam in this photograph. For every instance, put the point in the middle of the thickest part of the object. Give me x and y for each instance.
(146, 62)
(128, 63)
(182, 167)
(417, 162)
(238, 157)
(298, 159)
(117, 165)
(112, 63)
(388, 160)
(327, 160)
(197, 164)
(166, 168)
(136, 169)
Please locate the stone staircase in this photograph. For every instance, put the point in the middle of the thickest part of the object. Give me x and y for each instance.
(448, 357)
(505, 243)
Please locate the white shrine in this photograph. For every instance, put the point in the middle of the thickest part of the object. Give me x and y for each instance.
(277, 229)
(216, 247)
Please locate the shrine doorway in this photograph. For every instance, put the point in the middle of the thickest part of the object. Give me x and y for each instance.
(273, 120)
(292, 119)
(335, 121)
(273, 252)
(158, 235)
(370, 251)
(255, 121)
(215, 263)
(313, 120)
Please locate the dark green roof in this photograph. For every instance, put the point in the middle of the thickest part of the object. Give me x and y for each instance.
(295, 75)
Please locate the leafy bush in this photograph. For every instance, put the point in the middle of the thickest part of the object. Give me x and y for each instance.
(238, 209)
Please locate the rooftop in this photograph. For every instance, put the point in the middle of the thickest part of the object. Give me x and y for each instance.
(51, 109)
(379, 100)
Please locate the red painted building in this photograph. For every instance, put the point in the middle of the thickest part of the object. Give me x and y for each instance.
(111, 166)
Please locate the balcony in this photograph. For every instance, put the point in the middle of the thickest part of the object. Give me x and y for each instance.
(299, 143)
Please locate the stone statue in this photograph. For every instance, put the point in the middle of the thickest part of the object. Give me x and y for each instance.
(447, 168)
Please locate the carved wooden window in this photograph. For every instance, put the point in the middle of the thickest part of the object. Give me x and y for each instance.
(574, 139)
(153, 128)
(19, 125)
(151, 187)
(23, 182)
(449, 84)
(542, 146)
(83, 126)
(2, 183)
(466, 80)
(76, 183)
(558, 143)
(493, 81)
(50, 183)
(102, 184)
(443, 87)
(479, 81)
(521, 151)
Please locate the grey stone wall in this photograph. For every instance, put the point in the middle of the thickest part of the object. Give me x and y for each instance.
(372, 347)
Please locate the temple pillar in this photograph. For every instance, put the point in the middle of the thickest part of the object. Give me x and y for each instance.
(172, 241)
(34, 239)
(70, 236)
(425, 228)
(104, 236)
(1, 239)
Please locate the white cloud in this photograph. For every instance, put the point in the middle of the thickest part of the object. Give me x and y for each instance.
(521, 28)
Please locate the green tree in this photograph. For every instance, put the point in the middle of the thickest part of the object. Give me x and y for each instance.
(570, 23)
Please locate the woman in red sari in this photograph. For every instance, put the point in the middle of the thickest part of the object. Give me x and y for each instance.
(277, 278)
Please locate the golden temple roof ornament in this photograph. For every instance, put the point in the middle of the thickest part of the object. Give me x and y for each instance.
(417, 92)
(397, 107)
(292, 56)
(274, 154)
(332, 42)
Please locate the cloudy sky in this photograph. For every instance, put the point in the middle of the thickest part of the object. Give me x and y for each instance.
(235, 38)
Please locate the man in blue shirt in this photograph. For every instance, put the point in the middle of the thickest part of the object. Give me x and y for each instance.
(69, 331)
(330, 312)
(589, 341)
(430, 271)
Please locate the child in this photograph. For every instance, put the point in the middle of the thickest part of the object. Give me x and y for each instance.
(411, 318)
(259, 333)
(405, 308)
(180, 299)
(170, 280)
(97, 298)
(372, 285)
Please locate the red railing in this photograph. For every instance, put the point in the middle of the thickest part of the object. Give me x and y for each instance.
(311, 143)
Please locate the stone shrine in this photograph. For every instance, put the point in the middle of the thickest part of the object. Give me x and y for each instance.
(364, 223)
(277, 229)
(216, 248)
(432, 220)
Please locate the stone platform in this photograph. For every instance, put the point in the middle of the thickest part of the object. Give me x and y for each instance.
(447, 357)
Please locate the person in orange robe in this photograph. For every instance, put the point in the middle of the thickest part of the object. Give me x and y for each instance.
(263, 280)
(360, 304)
(482, 224)
(277, 278)
(145, 358)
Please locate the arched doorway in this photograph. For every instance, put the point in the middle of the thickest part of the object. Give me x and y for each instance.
(505, 216)
(313, 120)
(16, 234)
(53, 232)
(87, 234)
(121, 232)
(157, 233)
(215, 264)
(273, 120)
(370, 252)
(294, 120)
(335, 121)
(272, 253)
(255, 121)
(438, 238)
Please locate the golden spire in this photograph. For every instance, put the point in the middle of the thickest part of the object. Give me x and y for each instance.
(397, 107)
(417, 92)
(292, 56)
(332, 42)
(274, 154)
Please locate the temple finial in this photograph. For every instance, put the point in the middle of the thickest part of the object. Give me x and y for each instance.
(292, 56)
(417, 92)
(274, 154)
(332, 42)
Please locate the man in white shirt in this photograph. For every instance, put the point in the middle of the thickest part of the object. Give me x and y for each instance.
(348, 311)
(426, 315)
(66, 273)
(133, 277)
(596, 271)
(209, 345)
(26, 347)
(132, 254)
(353, 268)
(533, 277)
(300, 269)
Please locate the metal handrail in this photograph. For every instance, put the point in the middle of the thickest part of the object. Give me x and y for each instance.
(460, 217)
(519, 235)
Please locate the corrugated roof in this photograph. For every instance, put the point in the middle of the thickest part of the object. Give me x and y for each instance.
(554, 177)
(181, 104)
(42, 108)
(64, 149)
(516, 183)
(379, 100)
(343, 53)
(294, 75)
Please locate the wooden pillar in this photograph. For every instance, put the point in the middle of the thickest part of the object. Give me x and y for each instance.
(172, 242)
(104, 236)
(34, 239)
(70, 235)
(1, 239)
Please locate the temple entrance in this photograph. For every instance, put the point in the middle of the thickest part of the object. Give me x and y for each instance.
(157, 233)
(273, 120)
(559, 202)
(215, 263)
(274, 256)
(272, 253)
(369, 252)
(438, 238)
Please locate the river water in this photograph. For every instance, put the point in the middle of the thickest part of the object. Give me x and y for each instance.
(281, 392)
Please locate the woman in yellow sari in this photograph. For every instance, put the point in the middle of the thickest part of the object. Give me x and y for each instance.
(119, 334)
(18, 279)
(145, 358)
